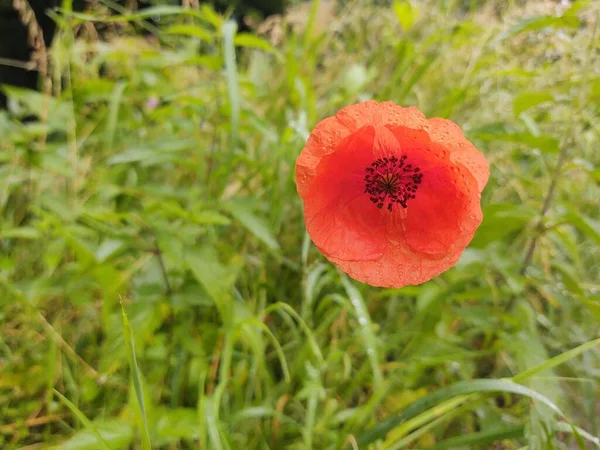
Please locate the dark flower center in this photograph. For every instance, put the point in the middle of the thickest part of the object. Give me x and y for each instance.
(391, 180)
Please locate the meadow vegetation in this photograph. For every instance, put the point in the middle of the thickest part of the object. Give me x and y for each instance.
(158, 288)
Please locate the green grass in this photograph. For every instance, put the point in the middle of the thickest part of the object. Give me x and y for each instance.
(161, 176)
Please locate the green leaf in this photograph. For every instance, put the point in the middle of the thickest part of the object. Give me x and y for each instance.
(461, 388)
(567, 428)
(405, 13)
(216, 278)
(252, 41)
(209, 217)
(588, 226)
(526, 100)
(20, 233)
(137, 379)
(500, 220)
(177, 423)
(209, 14)
(537, 23)
(242, 211)
(228, 31)
(417, 74)
(96, 436)
(83, 253)
(113, 115)
(25, 102)
(190, 30)
(482, 438)
(498, 132)
(556, 361)
(145, 13)
(366, 330)
(155, 153)
(117, 434)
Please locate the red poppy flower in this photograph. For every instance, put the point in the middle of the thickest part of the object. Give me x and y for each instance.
(390, 197)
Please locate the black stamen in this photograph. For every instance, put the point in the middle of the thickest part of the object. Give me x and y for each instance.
(390, 181)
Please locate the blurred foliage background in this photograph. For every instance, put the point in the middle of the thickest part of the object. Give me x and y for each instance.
(155, 169)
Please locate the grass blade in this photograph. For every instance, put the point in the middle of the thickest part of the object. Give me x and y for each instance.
(556, 361)
(366, 329)
(83, 419)
(137, 378)
(433, 400)
(113, 116)
(229, 29)
(481, 438)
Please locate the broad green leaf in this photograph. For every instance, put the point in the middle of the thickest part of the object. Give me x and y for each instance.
(405, 13)
(20, 233)
(252, 41)
(211, 16)
(177, 423)
(216, 278)
(116, 433)
(82, 250)
(242, 211)
(587, 225)
(210, 217)
(190, 30)
(499, 132)
(500, 220)
(526, 100)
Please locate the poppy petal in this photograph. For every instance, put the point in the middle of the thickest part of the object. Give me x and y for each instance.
(339, 217)
(322, 141)
(448, 134)
(397, 268)
(374, 113)
(436, 217)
